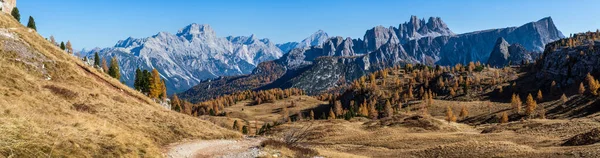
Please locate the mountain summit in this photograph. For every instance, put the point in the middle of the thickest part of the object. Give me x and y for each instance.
(315, 39)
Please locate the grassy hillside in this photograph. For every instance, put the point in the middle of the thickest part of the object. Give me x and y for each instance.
(53, 105)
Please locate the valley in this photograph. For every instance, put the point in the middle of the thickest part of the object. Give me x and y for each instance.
(414, 89)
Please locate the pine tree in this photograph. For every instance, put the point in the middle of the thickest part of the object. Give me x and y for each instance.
(62, 46)
(15, 13)
(176, 103)
(114, 70)
(504, 118)
(96, 60)
(31, 23)
(245, 129)
(137, 83)
(235, 125)
(145, 82)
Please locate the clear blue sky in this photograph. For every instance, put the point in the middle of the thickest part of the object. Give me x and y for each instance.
(101, 23)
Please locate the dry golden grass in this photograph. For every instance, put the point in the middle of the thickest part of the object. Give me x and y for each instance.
(79, 111)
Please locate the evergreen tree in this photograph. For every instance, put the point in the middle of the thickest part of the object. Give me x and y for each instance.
(235, 125)
(245, 129)
(62, 46)
(145, 82)
(31, 23)
(137, 83)
(15, 13)
(96, 60)
(114, 70)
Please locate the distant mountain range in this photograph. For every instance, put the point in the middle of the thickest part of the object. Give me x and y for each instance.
(195, 53)
(341, 60)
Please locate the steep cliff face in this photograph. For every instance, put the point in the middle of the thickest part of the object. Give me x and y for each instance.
(569, 64)
(505, 54)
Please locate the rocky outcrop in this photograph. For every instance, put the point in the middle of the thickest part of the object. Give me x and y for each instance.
(505, 54)
(416, 29)
(315, 39)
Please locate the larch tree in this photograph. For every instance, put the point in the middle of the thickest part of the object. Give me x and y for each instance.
(69, 47)
(163, 94)
(104, 66)
(311, 115)
(516, 103)
(531, 105)
(463, 112)
(52, 40)
(331, 114)
(504, 118)
(373, 113)
(31, 23)
(564, 98)
(450, 115)
(155, 84)
(339, 111)
(581, 88)
(114, 70)
(176, 103)
(389, 111)
(539, 97)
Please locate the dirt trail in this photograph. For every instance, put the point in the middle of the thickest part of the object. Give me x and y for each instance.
(215, 148)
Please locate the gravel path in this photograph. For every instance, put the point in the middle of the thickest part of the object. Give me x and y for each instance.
(247, 147)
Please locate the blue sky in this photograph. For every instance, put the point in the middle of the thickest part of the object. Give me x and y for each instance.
(101, 23)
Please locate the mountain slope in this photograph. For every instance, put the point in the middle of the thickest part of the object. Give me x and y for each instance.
(315, 39)
(53, 105)
(505, 54)
(429, 43)
(193, 54)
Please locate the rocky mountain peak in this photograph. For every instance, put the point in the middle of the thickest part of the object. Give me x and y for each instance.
(197, 30)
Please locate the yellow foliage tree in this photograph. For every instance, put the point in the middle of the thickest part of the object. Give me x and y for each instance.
(504, 118)
(531, 105)
(331, 114)
(156, 87)
(463, 112)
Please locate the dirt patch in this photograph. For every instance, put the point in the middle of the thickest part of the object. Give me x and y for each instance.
(591, 137)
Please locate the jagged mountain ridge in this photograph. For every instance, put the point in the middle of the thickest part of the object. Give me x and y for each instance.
(315, 39)
(382, 47)
(193, 54)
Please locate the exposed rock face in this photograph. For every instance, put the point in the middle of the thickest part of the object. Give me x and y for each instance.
(570, 65)
(8, 5)
(193, 54)
(340, 60)
(315, 39)
(476, 46)
(416, 29)
(505, 54)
